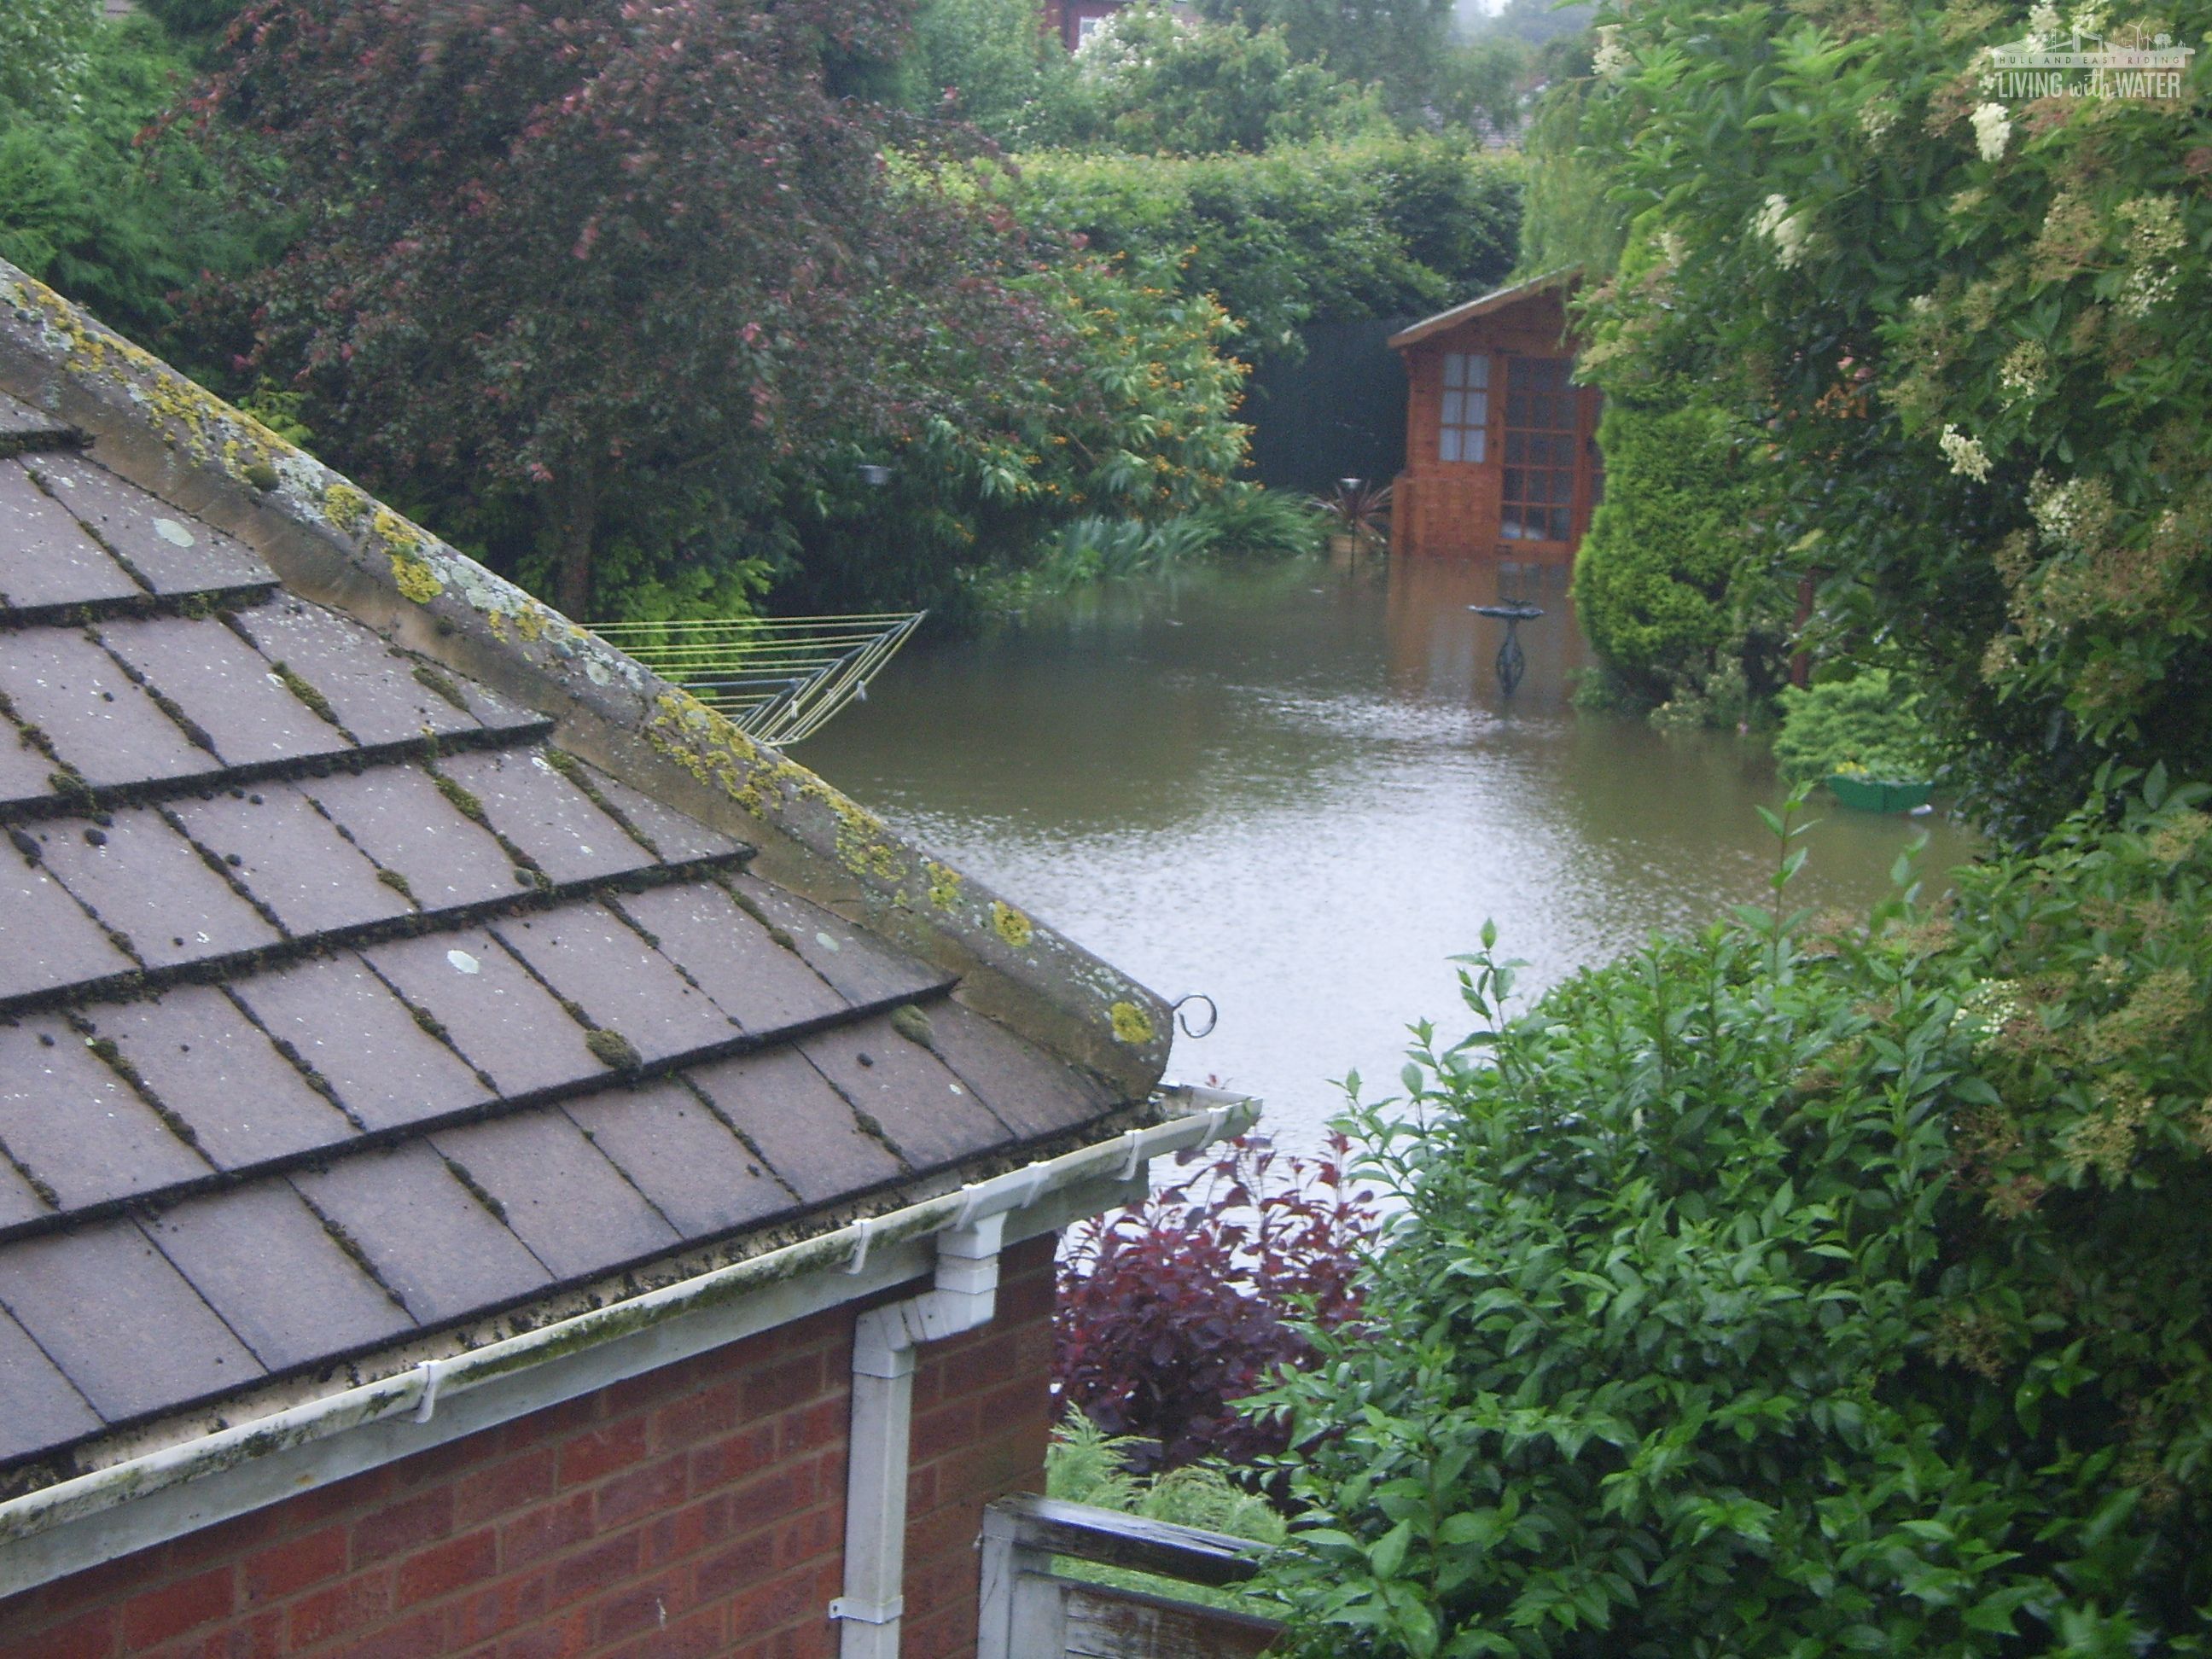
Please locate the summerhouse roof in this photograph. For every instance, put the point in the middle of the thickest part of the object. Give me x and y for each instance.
(1497, 300)
(387, 964)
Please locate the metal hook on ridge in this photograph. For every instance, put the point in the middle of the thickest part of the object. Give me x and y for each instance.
(1183, 1020)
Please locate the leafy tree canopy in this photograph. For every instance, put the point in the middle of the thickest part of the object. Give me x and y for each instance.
(1151, 83)
(1377, 227)
(95, 197)
(42, 54)
(991, 63)
(634, 269)
(1393, 44)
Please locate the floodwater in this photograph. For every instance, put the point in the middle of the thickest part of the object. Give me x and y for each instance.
(1299, 792)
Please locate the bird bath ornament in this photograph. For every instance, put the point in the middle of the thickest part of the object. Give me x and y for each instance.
(1511, 663)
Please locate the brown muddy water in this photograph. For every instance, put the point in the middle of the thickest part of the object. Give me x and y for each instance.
(1299, 790)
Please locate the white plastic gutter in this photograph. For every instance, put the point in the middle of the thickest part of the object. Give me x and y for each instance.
(419, 1394)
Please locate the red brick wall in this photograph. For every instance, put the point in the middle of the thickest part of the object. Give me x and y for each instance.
(698, 1510)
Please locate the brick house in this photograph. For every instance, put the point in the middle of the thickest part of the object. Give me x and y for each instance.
(491, 1160)
(1501, 447)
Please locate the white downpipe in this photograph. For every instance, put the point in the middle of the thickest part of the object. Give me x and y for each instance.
(965, 1296)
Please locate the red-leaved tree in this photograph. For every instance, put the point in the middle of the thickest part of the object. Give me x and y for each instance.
(1175, 1309)
(593, 255)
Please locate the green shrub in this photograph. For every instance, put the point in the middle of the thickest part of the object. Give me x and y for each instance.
(1251, 521)
(1766, 1297)
(1869, 725)
(1664, 580)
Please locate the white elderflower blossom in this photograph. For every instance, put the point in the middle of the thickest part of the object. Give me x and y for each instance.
(1876, 116)
(2089, 18)
(1788, 231)
(1672, 248)
(1993, 129)
(2056, 507)
(2154, 241)
(1968, 458)
(2043, 26)
(2022, 371)
(1611, 61)
(1991, 1006)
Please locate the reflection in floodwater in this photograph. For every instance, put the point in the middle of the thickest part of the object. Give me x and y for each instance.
(1298, 791)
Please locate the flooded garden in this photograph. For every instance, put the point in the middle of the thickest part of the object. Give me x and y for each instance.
(1298, 791)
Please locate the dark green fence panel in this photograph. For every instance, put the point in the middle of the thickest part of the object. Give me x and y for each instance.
(1338, 412)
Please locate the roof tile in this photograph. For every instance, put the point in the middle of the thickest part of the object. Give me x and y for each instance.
(122, 1324)
(44, 1409)
(592, 959)
(266, 1263)
(142, 879)
(368, 685)
(77, 1127)
(19, 1202)
(171, 551)
(804, 1128)
(924, 1111)
(226, 687)
(763, 985)
(201, 1059)
(865, 969)
(682, 1157)
(291, 857)
(678, 836)
(100, 724)
(45, 938)
(342, 1020)
(25, 773)
(398, 816)
(494, 713)
(1032, 1095)
(45, 558)
(444, 1253)
(530, 803)
(560, 1196)
(500, 1019)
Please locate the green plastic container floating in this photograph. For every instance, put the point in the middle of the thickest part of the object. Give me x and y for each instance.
(1878, 795)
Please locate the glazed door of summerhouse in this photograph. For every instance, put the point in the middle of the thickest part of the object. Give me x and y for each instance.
(1545, 498)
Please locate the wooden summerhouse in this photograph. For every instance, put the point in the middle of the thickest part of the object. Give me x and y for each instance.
(1501, 447)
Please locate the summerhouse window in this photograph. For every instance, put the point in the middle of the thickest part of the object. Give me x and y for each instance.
(1465, 432)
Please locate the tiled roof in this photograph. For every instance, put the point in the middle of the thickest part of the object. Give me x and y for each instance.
(338, 1003)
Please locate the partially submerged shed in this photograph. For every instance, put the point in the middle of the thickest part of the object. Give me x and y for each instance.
(1501, 447)
(482, 1145)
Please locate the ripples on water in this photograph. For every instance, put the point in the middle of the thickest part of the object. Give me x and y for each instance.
(1298, 791)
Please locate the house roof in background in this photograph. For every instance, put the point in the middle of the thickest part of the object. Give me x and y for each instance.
(341, 1002)
(1496, 300)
